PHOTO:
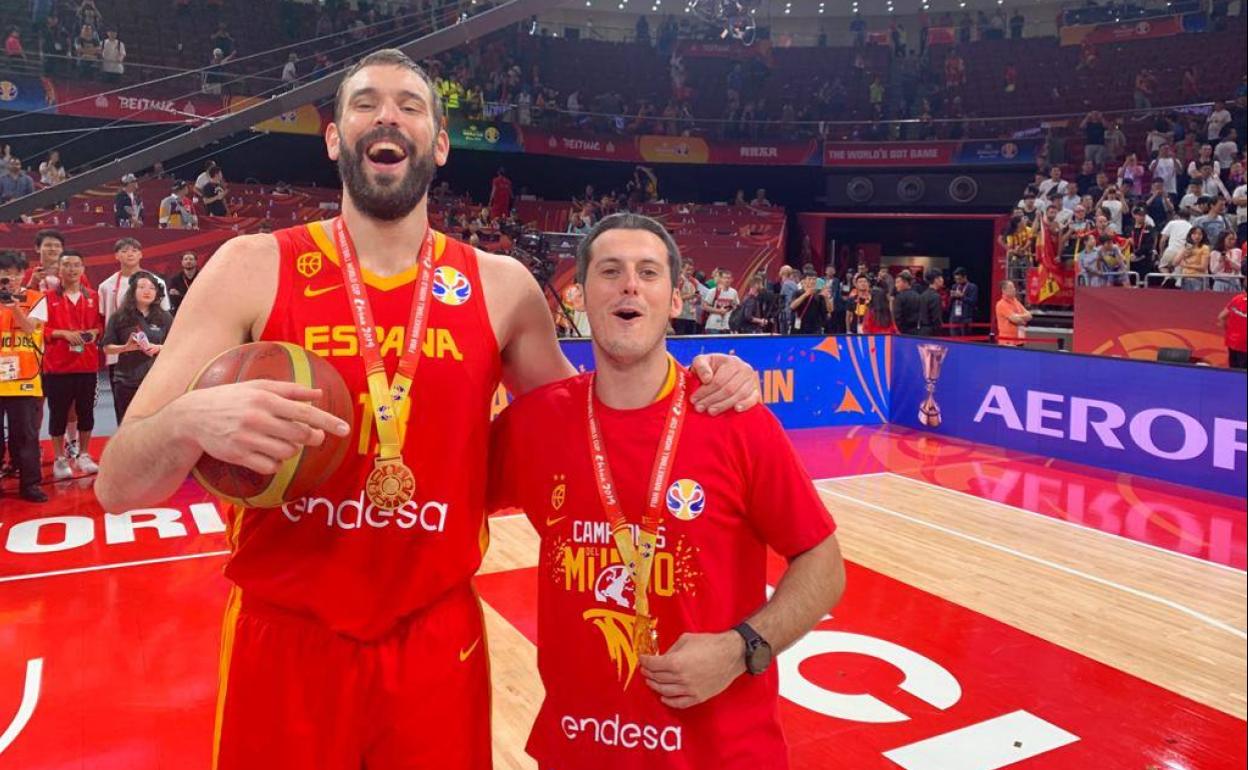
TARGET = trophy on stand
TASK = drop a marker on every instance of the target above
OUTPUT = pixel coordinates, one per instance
(932, 356)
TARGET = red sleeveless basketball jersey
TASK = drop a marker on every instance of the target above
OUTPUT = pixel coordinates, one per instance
(332, 556)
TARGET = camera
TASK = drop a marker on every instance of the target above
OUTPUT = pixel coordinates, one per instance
(6, 291)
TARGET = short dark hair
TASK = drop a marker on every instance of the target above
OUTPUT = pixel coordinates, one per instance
(71, 253)
(390, 57)
(127, 241)
(627, 221)
(959, 271)
(12, 260)
(48, 233)
(906, 277)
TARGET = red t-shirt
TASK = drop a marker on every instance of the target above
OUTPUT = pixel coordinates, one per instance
(737, 487)
(1236, 333)
(64, 314)
(869, 326)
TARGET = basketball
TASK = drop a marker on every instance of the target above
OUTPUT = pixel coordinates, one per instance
(298, 475)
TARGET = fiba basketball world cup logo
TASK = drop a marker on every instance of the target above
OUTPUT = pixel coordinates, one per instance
(932, 357)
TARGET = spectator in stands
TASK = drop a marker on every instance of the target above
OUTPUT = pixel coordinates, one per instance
(290, 70)
(180, 282)
(931, 312)
(1112, 202)
(1217, 120)
(127, 208)
(719, 302)
(1145, 85)
(1194, 260)
(1210, 182)
(1189, 89)
(88, 14)
(858, 28)
(907, 307)
(223, 41)
(1214, 221)
(175, 213)
(1228, 148)
(1190, 202)
(87, 49)
(859, 303)
(70, 362)
(757, 314)
(135, 334)
(113, 57)
(45, 275)
(1131, 176)
(1160, 205)
(214, 194)
(1240, 199)
(17, 183)
(1012, 317)
(1054, 182)
(1143, 239)
(205, 176)
(1093, 126)
(54, 45)
(1016, 25)
(1115, 142)
(52, 171)
(1071, 199)
(13, 45)
(809, 307)
(23, 312)
(1166, 170)
(690, 298)
(964, 298)
(1234, 320)
(1086, 178)
(760, 199)
(878, 318)
(1226, 262)
(500, 195)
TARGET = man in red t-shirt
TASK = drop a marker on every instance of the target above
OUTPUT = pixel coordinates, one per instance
(655, 631)
(500, 196)
(1232, 319)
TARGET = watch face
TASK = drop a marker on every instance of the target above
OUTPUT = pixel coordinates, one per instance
(760, 658)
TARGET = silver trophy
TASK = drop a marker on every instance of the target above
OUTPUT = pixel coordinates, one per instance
(932, 356)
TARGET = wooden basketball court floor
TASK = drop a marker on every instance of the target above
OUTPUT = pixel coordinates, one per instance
(1002, 610)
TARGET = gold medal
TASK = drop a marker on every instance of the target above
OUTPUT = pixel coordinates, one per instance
(645, 635)
(390, 485)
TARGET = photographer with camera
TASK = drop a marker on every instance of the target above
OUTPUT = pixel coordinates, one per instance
(70, 362)
(22, 314)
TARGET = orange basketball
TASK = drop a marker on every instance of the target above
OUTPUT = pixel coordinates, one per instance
(301, 474)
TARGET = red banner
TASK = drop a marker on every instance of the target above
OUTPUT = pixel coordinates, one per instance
(886, 154)
(760, 51)
(1136, 323)
(1119, 33)
(942, 36)
(584, 146)
(143, 105)
(792, 154)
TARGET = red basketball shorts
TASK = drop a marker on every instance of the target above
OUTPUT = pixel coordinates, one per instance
(297, 696)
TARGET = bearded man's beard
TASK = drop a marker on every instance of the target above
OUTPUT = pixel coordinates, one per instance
(389, 196)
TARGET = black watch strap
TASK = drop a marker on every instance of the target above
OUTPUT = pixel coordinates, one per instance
(757, 649)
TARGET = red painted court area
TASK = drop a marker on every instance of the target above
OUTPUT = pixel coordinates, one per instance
(109, 633)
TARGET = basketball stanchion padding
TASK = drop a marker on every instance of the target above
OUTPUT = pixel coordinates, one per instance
(297, 476)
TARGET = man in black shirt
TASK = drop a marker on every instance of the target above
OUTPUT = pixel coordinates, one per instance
(1086, 178)
(127, 208)
(930, 321)
(906, 305)
(1159, 205)
(180, 283)
(1143, 242)
(214, 194)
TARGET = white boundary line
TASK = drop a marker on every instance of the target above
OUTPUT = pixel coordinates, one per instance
(1046, 563)
(103, 567)
(26, 709)
(1080, 527)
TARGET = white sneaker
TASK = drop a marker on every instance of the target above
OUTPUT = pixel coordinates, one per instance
(61, 469)
(86, 464)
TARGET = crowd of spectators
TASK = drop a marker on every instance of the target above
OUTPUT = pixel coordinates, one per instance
(1173, 214)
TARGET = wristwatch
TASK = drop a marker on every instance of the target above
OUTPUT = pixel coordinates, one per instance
(757, 650)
